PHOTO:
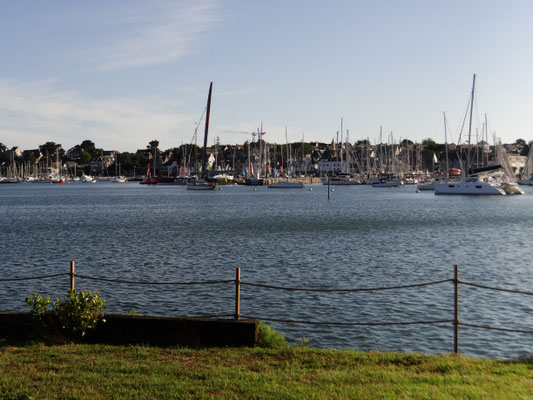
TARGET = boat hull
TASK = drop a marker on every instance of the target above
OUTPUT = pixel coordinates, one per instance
(286, 185)
(426, 186)
(511, 188)
(468, 188)
(386, 183)
(341, 182)
(201, 186)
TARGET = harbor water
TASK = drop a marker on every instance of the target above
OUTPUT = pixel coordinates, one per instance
(362, 237)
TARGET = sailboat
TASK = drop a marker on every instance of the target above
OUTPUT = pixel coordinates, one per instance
(204, 183)
(526, 177)
(473, 183)
(118, 178)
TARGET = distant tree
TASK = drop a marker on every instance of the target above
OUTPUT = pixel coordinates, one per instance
(177, 153)
(430, 146)
(429, 143)
(128, 161)
(85, 157)
(525, 150)
(87, 145)
(51, 149)
(28, 156)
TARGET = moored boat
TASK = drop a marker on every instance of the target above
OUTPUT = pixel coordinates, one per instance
(476, 182)
(341, 180)
(469, 186)
(88, 179)
(204, 183)
(511, 188)
(428, 185)
(286, 185)
(152, 180)
(385, 182)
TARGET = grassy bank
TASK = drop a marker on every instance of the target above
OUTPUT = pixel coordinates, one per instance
(110, 372)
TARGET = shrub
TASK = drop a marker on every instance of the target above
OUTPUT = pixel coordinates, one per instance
(80, 312)
(76, 314)
(39, 306)
(268, 337)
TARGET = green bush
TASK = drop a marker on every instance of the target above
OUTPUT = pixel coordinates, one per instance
(268, 337)
(80, 312)
(76, 314)
(39, 306)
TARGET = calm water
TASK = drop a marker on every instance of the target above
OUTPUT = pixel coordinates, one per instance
(362, 237)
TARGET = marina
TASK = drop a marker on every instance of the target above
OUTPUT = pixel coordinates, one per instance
(360, 237)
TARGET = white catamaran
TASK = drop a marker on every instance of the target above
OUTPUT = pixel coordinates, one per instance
(472, 184)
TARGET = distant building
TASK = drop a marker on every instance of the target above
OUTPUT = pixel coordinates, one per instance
(106, 159)
(10, 155)
(74, 154)
(329, 167)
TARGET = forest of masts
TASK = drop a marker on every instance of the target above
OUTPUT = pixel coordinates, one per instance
(253, 159)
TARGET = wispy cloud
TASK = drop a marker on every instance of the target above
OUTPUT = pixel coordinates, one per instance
(33, 113)
(152, 32)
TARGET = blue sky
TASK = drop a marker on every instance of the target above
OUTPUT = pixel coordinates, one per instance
(122, 73)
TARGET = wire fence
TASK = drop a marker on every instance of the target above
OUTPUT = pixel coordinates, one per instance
(239, 283)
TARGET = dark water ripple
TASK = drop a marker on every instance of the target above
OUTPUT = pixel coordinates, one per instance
(362, 237)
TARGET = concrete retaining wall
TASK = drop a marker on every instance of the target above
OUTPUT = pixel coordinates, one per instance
(156, 331)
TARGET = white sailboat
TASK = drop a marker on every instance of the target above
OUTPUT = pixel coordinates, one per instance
(87, 179)
(474, 184)
(526, 177)
(506, 177)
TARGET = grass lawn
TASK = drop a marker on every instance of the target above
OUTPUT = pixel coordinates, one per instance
(114, 372)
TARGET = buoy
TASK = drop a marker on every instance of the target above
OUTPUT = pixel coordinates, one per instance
(332, 189)
(418, 191)
(255, 189)
(310, 189)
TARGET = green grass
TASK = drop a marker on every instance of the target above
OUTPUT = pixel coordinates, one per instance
(113, 372)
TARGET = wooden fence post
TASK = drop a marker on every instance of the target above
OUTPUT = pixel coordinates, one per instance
(238, 294)
(456, 310)
(72, 274)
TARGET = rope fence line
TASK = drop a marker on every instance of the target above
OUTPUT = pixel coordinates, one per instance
(232, 281)
(344, 290)
(495, 288)
(238, 283)
(291, 321)
(33, 277)
(494, 328)
(154, 283)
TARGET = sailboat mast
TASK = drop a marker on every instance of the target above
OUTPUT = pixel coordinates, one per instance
(446, 146)
(486, 139)
(470, 124)
(260, 169)
(204, 151)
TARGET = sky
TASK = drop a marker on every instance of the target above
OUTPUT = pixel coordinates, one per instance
(125, 72)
